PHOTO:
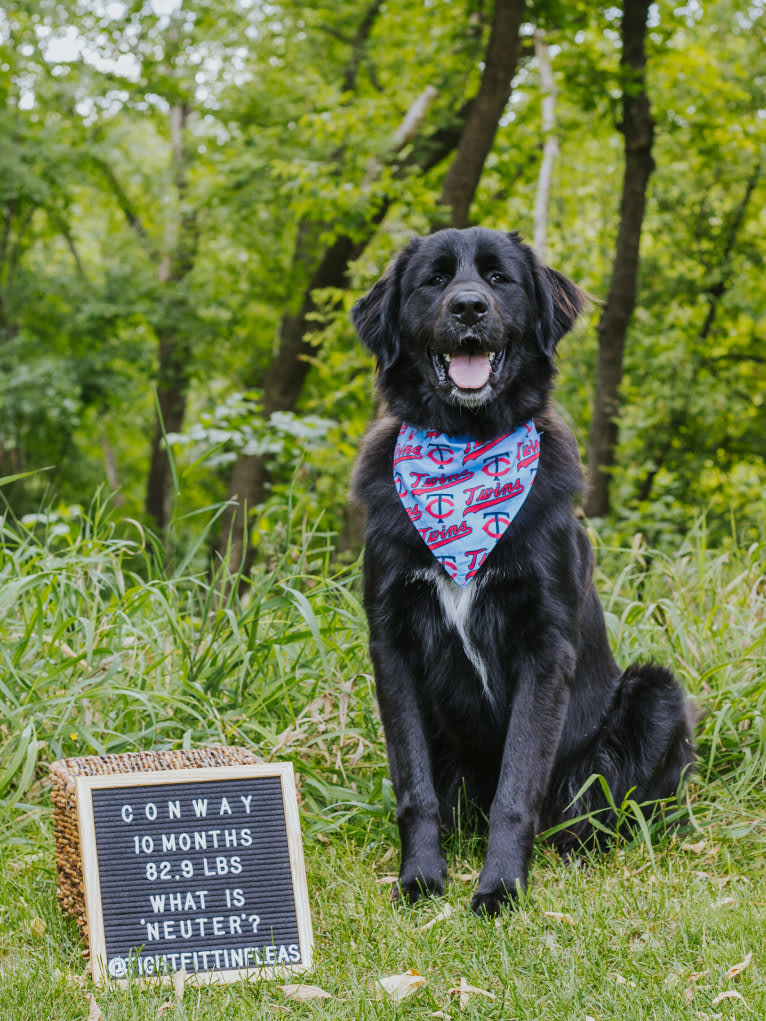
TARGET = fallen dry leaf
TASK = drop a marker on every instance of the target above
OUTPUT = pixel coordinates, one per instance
(559, 916)
(94, 1014)
(737, 969)
(400, 986)
(695, 976)
(178, 978)
(622, 981)
(702, 847)
(386, 880)
(437, 918)
(697, 848)
(354, 759)
(728, 994)
(164, 1007)
(37, 927)
(724, 901)
(69, 978)
(304, 992)
(465, 990)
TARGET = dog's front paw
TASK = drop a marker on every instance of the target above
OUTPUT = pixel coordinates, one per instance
(420, 880)
(489, 899)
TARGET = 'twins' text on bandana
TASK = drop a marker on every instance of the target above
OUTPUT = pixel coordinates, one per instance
(461, 495)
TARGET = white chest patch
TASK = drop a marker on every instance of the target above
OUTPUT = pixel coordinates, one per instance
(456, 603)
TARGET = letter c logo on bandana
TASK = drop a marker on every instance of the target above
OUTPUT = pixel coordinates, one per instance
(461, 495)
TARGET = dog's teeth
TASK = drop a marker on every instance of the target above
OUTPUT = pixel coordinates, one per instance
(447, 358)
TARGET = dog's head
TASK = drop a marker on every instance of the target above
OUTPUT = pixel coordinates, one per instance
(464, 324)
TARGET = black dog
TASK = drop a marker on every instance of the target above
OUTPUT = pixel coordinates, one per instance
(499, 685)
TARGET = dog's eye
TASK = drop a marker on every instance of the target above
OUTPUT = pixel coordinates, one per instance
(437, 280)
(497, 278)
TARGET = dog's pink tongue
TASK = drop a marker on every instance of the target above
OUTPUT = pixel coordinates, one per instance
(470, 372)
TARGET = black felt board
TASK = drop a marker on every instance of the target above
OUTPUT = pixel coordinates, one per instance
(195, 876)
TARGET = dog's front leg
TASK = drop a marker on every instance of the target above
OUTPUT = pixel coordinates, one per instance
(533, 735)
(423, 868)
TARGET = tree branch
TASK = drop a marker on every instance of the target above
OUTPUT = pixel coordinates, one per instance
(478, 135)
(73, 249)
(428, 151)
(7, 221)
(359, 46)
(123, 201)
(284, 378)
(638, 131)
(404, 134)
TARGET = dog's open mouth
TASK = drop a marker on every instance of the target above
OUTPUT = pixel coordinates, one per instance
(468, 371)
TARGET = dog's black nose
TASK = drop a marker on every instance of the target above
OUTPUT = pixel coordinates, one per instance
(468, 307)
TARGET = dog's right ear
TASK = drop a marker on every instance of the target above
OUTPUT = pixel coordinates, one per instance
(376, 315)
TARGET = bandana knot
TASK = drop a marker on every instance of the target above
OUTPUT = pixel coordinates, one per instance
(461, 495)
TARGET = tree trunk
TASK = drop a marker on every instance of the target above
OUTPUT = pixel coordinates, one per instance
(285, 376)
(282, 385)
(174, 348)
(110, 469)
(283, 381)
(172, 388)
(550, 144)
(638, 131)
(480, 128)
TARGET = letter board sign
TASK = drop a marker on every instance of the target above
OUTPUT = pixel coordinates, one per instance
(198, 870)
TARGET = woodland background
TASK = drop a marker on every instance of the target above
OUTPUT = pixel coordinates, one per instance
(192, 196)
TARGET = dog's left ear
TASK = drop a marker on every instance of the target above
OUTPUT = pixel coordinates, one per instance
(560, 303)
(376, 315)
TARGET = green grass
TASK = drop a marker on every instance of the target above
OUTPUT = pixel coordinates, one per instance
(104, 648)
(653, 925)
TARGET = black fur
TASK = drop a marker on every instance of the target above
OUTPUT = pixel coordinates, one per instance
(559, 708)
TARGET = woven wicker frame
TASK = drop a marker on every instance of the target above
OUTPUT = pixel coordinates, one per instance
(69, 881)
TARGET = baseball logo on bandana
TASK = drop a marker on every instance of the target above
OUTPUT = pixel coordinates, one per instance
(461, 495)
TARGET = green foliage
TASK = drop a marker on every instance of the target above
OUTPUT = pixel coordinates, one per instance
(106, 648)
(280, 164)
(695, 389)
(103, 649)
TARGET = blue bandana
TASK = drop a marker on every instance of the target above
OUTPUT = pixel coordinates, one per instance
(461, 495)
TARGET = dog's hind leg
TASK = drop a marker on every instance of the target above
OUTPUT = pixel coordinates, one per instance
(644, 747)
